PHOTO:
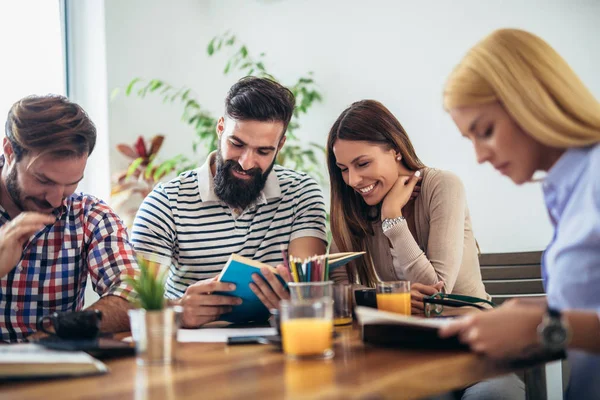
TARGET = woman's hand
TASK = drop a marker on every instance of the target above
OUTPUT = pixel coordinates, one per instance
(507, 332)
(399, 195)
(418, 291)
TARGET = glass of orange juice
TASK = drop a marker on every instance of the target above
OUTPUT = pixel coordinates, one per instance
(394, 297)
(307, 328)
(342, 304)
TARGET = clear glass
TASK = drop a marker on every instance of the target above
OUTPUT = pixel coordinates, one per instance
(342, 304)
(310, 290)
(307, 328)
(155, 334)
(394, 297)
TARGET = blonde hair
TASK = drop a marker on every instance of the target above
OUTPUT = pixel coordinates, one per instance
(533, 82)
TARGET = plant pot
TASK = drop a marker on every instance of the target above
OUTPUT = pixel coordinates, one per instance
(155, 334)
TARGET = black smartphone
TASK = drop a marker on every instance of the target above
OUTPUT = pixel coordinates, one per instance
(101, 348)
(366, 297)
(247, 340)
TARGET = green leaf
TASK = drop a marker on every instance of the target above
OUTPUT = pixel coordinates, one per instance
(114, 93)
(211, 47)
(134, 166)
(131, 85)
(244, 51)
(155, 84)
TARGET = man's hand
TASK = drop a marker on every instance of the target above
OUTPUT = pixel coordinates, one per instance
(418, 291)
(271, 290)
(200, 306)
(506, 332)
(15, 233)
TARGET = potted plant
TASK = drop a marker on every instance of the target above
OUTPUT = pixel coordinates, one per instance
(130, 187)
(153, 324)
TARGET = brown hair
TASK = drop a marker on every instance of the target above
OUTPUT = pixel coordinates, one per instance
(368, 121)
(260, 99)
(49, 124)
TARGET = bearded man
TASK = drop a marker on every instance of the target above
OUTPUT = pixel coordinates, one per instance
(240, 202)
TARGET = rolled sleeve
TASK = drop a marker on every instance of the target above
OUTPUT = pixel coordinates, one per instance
(310, 215)
(110, 256)
(154, 230)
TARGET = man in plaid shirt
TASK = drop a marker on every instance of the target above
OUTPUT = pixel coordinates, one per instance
(51, 239)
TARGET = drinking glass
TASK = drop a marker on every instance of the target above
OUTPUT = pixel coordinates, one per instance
(307, 328)
(394, 297)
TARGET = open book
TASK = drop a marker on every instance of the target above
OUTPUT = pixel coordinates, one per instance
(337, 260)
(29, 360)
(239, 270)
(390, 329)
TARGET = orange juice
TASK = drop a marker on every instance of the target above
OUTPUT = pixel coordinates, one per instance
(307, 336)
(394, 302)
(342, 321)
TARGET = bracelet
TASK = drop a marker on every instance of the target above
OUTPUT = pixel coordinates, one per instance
(389, 223)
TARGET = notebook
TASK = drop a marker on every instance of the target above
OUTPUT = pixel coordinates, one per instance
(384, 328)
(30, 360)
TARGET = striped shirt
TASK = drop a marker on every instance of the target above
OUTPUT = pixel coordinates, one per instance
(184, 224)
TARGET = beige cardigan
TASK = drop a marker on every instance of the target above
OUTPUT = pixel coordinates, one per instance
(444, 249)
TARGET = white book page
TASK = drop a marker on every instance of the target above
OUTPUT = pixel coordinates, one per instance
(368, 315)
(24, 353)
(220, 335)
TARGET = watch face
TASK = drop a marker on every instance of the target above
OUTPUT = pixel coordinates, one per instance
(555, 335)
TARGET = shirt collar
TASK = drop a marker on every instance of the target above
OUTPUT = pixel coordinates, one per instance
(564, 173)
(206, 183)
(562, 179)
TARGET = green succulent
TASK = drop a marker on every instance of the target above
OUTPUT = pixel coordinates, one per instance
(149, 285)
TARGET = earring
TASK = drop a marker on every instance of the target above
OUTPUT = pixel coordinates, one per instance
(398, 157)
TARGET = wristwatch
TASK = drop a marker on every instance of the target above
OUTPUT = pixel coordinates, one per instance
(554, 331)
(389, 223)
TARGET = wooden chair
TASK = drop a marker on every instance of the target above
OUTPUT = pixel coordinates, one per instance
(511, 275)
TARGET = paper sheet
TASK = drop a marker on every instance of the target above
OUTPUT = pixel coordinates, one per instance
(36, 354)
(220, 335)
(368, 315)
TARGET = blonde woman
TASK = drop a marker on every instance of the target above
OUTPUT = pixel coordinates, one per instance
(525, 110)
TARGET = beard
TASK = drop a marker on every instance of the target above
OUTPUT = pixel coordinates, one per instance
(16, 194)
(235, 192)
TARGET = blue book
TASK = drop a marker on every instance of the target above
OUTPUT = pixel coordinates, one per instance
(239, 270)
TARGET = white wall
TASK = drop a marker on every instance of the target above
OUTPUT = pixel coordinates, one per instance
(396, 51)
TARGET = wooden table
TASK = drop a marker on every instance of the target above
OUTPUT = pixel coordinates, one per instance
(218, 371)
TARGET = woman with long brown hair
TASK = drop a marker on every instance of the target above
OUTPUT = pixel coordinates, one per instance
(412, 221)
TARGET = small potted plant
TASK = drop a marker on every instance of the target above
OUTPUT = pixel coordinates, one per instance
(130, 187)
(154, 325)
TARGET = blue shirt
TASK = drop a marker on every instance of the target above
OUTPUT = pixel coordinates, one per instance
(571, 263)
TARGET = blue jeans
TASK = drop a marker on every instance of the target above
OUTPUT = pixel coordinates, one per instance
(507, 387)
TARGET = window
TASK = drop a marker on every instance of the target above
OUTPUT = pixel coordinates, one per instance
(33, 56)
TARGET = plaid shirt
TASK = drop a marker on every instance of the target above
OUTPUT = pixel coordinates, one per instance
(87, 238)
